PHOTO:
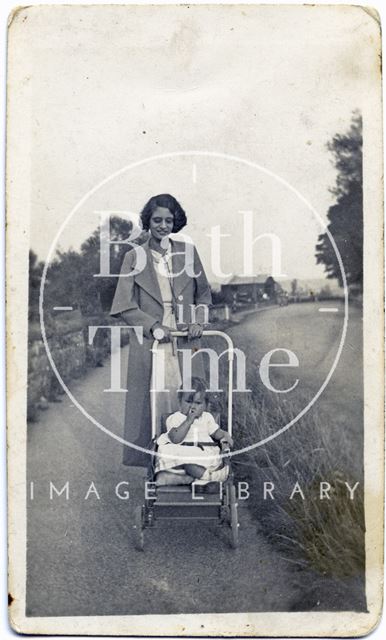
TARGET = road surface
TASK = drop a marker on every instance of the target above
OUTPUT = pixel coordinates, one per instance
(81, 559)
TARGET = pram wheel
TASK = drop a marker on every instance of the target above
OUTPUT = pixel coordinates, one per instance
(139, 525)
(233, 518)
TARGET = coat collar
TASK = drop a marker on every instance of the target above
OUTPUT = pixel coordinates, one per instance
(147, 278)
(180, 258)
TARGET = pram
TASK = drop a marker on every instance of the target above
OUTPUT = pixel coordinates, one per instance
(179, 501)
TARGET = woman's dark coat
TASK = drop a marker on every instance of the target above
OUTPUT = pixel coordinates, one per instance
(139, 297)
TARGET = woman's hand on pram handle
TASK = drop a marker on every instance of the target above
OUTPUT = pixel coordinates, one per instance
(195, 330)
(161, 333)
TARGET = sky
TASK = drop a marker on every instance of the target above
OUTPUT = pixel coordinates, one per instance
(268, 85)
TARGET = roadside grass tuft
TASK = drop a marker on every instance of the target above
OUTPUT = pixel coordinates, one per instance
(327, 535)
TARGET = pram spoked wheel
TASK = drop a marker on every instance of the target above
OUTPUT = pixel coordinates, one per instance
(138, 527)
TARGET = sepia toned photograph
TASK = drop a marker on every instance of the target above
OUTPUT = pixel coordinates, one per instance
(195, 320)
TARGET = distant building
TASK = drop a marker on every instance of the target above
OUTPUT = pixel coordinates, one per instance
(247, 289)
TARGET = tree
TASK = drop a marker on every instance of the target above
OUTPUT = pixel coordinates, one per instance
(325, 293)
(346, 215)
(35, 274)
(294, 287)
(71, 277)
(99, 291)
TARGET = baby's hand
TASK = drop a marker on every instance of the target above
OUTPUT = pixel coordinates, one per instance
(227, 439)
(194, 412)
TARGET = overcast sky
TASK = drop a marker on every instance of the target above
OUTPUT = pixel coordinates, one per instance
(114, 85)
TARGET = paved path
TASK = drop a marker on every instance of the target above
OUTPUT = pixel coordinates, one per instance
(314, 336)
(81, 559)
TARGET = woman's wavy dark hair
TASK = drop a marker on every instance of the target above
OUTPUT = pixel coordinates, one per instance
(169, 202)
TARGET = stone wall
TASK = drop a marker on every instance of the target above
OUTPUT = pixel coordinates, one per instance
(67, 337)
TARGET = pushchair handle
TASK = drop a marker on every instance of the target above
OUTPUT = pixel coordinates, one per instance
(209, 333)
(230, 353)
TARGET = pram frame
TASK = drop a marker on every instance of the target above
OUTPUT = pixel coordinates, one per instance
(178, 502)
(207, 333)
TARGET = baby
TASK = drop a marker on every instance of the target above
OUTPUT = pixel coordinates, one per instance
(183, 447)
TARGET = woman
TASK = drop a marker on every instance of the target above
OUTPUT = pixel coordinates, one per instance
(162, 286)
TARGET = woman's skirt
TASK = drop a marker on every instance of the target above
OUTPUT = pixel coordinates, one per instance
(166, 375)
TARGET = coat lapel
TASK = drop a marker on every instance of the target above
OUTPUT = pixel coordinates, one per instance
(179, 258)
(147, 278)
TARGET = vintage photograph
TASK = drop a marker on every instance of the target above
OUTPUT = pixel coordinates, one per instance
(195, 320)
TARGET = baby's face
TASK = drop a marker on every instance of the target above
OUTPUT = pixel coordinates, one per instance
(193, 405)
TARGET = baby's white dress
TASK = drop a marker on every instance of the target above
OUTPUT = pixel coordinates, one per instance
(172, 455)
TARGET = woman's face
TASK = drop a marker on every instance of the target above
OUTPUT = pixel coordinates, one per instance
(161, 223)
